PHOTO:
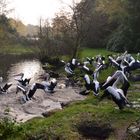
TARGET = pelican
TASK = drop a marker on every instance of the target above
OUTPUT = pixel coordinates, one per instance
(68, 69)
(127, 61)
(96, 84)
(87, 70)
(128, 64)
(123, 65)
(100, 60)
(122, 77)
(121, 57)
(6, 86)
(83, 66)
(133, 64)
(114, 62)
(70, 66)
(90, 60)
(88, 85)
(92, 85)
(22, 83)
(47, 86)
(118, 94)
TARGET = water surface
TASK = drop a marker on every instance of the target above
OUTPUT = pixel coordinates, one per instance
(11, 65)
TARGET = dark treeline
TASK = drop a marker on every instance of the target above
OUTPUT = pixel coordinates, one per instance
(9, 34)
(110, 24)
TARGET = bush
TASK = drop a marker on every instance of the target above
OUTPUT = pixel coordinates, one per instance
(121, 40)
(7, 128)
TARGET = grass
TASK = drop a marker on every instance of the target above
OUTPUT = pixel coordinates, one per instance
(90, 52)
(63, 124)
(66, 124)
(16, 49)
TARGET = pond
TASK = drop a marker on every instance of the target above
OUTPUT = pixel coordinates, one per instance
(14, 64)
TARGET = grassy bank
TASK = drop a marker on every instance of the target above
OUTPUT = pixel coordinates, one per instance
(88, 119)
(79, 121)
(16, 49)
(90, 52)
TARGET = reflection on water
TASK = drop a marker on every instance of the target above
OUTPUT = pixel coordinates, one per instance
(10, 65)
(31, 69)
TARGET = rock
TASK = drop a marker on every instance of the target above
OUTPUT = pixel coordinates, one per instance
(64, 104)
(133, 130)
(44, 104)
(49, 113)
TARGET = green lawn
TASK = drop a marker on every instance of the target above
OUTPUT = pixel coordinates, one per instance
(16, 49)
(89, 52)
(65, 124)
(73, 121)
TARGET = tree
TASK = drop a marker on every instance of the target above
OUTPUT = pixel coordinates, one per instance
(7, 33)
(62, 32)
(61, 25)
(94, 24)
(75, 25)
(127, 35)
(4, 10)
(114, 9)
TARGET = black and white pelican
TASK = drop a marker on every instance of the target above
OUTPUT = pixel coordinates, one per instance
(94, 84)
(118, 94)
(90, 60)
(47, 86)
(86, 69)
(5, 87)
(23, 83)
(70, 66)
(133, 63)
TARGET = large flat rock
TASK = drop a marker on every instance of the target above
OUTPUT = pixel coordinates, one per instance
(12, 107)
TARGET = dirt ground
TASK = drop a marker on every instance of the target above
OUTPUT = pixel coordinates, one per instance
(12, 106)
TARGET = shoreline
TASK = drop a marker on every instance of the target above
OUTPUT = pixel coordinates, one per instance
(40, 106)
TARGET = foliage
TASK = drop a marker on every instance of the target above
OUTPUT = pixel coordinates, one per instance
(17, 49)
(127, 35)
(115, 9)
(73, 121)
(96, 24)
(121, 40)
(4, 7)
(7, 128)
(7, 33)
(64, 124)
(91, 52)
(24, 30)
